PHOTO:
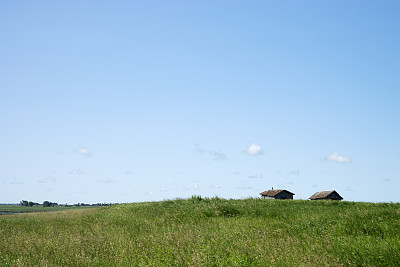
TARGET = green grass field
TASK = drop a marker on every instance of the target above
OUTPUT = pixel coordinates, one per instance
(206, 232)
(24, 209)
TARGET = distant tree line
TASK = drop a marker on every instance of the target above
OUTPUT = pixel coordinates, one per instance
(28, 203)
(53, 204)
(49, 204)
(31, 204)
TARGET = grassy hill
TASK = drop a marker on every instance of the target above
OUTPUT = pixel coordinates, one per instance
(207, 232)
(36, 208)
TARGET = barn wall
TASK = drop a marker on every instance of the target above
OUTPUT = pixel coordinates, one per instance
(284, 195)
(333, 197)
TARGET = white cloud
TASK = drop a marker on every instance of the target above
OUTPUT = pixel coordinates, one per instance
(336, 157)
(349, 188)
(216, 155)
(47, 180)
(107, 181)
(181, 189)
(84, 151)
(257, 176)
(196, 186)
(75, 172)
(295, 172)
(244, 187)
(254, 149)
(16, 182)
(217, 186)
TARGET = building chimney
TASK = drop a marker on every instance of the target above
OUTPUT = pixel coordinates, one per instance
(272, 188)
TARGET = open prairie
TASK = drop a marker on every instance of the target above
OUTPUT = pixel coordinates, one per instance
(4, 209)
(206, 232)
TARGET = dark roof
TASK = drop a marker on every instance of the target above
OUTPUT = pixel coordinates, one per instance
(272, 193)
(323, 194)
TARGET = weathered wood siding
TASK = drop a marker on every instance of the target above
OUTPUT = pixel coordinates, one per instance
(284, 195)
(333, 196)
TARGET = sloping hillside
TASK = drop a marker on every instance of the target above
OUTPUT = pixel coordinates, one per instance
(207, 232)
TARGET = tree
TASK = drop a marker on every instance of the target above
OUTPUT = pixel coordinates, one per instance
(46, 204)
(30, 203)
(23, 203)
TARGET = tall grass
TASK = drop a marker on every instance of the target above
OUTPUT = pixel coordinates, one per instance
(37, 208)
(207, 232)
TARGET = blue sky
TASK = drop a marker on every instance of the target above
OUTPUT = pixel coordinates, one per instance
(130, 101)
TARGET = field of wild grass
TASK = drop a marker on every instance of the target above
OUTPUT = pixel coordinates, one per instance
(206, 232)
(36, 208)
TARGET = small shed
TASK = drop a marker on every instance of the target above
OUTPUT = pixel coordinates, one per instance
(326, 195)
(277, 194)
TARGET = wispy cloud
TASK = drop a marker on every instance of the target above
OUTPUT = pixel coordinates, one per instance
(196, 186)
(216, 154)
(84, 152)
(336, 157)
(75, 172)
(254, 149)
(256, 176)
(387, 180)
(16, 182)
(244, 187)
(106, 181)
(181, 189)
(295, 172)
(216, 186)
(128, 173)
(48, 179)
(349, 188)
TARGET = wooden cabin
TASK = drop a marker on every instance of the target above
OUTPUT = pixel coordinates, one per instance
(333, 195)
(277, 194)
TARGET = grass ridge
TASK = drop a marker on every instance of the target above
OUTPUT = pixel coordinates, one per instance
(207, 232)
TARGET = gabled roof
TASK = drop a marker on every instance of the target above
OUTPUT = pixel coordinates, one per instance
(323, 194)
(272, 193)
